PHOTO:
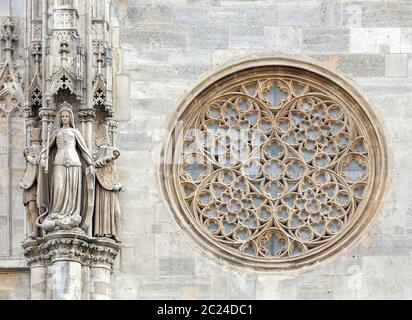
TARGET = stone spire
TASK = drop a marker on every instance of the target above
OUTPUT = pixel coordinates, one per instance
(9, 38)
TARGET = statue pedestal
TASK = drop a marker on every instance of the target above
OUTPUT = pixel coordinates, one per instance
(69, 265)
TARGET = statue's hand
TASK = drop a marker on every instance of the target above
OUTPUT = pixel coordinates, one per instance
(42, 163)
(91, 170)
(32, 159)
(116, 154)
(98, 163)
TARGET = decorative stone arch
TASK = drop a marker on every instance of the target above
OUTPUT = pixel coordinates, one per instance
(292, 106)
(99, 92)
(36, 95)
(63, 80)
(9, 85)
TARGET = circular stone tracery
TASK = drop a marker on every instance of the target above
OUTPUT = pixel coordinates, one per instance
(274, 166)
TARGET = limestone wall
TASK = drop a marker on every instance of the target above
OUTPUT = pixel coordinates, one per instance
(165, 46)
(14, 285)
(161, 48)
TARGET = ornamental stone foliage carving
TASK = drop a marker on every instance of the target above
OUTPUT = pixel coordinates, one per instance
(277, 163)
(71, 247)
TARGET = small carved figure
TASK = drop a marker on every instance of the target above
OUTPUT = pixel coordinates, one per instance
(66, 185)
(107, 209)
(29, 182)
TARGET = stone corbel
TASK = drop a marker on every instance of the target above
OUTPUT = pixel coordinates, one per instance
(70, 265)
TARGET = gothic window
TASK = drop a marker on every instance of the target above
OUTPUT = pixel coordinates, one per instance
(99, 98)
(275, 165)
(36, 98)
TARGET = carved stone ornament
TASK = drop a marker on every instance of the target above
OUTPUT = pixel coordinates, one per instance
(71, 246)
(274, 163)
(71, 216)
(63, 179)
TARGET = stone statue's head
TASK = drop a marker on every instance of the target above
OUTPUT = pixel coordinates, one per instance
(35, 135)
(65, 108)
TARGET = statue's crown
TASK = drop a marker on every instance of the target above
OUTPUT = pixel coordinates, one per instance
(35, 134)
(66, 106)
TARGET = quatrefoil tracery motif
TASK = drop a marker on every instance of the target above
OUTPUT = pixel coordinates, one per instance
(274, 163)
(273, 167)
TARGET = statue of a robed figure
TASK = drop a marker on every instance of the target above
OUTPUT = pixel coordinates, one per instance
(72, 207)
(65, 188)
(65, 194)
(29, 182)
(107, 209)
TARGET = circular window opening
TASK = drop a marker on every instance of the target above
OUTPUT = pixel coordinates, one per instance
(274, 163)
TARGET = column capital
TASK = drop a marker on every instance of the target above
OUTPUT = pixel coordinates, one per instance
(47, 114)
(87, 114)
(71, 246)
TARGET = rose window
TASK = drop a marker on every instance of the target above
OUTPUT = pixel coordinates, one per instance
(275, 166)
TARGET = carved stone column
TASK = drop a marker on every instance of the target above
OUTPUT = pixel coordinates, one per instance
(103, 253)
(46, 115)
(68, 265)
(67, 253)
(87, 117)
(113, 126)
(38, 261)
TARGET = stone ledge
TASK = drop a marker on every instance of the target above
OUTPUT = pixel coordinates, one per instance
(13, 264)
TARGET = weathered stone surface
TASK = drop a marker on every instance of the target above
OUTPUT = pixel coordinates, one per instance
(364, 13)
(246, 37)
(153, 36)
(207, 36)
(38, 285)
(375, 40)
(314, 13)
(321, 40)
(284, 39)
(286, 289)
(400, 13)
(15, 285)
(122, 96)
(406, 40)
(176, 266)
(99, 284)
(161, 14)
(396, 65)
(356, 65)
(163, 48)
(66, 279)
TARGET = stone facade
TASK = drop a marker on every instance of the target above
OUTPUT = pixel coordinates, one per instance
(160, 49)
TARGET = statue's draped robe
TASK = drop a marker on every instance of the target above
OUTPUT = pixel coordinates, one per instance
(67, 191)
(28, 183)
(107, 209)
